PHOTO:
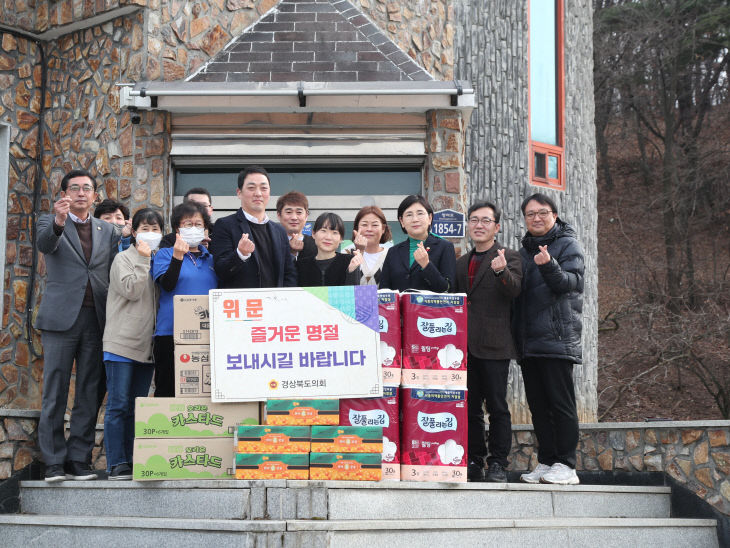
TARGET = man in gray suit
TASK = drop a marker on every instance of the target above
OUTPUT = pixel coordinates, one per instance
(78, 251)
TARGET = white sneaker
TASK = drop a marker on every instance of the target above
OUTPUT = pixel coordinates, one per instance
(535, 476)
(560, 474)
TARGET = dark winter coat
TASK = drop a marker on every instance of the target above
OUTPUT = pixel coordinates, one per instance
(548, 312)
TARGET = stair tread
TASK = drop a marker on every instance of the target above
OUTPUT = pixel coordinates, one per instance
(320, 525)
(395, 486)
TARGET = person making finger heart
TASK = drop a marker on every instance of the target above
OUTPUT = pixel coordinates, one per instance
(248, 250)
(423, 261)
(547, 328)
(183, 269)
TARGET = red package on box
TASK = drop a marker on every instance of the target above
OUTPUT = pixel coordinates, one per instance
(390, 335)
(434, 339)
(434, 434)
(378, 412)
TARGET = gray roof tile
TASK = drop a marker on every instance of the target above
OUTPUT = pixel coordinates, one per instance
(312, 41)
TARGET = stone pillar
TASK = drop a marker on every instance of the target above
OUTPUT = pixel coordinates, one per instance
(444, 181)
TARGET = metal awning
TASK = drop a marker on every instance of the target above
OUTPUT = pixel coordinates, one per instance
(230, 97)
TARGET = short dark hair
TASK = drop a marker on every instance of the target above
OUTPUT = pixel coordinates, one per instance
(149, 216)
(76, 173)
(540, 199)
(490, 205)
(110, 206)
(292, 198)
(198, 190)
(248, 171)
(374, 210)
(329, 220)
(408, 201)
(188, 209)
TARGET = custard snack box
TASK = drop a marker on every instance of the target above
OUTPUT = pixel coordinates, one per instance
(302, 412)
(347, 439)
(182, 458)
(272, 466)
(345, 466)
(272, 439)
(190, 417)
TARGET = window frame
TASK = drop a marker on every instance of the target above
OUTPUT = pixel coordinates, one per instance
(537, 147)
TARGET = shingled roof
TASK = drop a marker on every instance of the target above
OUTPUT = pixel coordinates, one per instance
(312, 41)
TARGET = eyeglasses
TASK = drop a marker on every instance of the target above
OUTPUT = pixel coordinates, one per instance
(543, 213)
(419, 214)
(76, 188)
(191, 224)
(474, 221)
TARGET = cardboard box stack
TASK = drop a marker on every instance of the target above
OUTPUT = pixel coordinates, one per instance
(433, 393)
(191, 334)
(303, 440)
(188, 436)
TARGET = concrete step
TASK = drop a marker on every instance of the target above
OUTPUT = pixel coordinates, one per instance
(73, 531)
(280, 499)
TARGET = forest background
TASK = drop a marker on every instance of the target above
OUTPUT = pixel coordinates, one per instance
(663, 139)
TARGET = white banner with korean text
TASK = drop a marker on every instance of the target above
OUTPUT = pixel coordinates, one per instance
(314, 342)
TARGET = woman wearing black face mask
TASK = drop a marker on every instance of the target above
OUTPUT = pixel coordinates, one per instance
(130, 323)
(184, 269)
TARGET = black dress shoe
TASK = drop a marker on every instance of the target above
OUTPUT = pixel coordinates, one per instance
(475, 472)
(79, 471)
(496, 473)
(121, 472)
(54, 473)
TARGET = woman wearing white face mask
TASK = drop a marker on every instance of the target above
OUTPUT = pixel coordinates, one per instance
(184, 269)
(130, 323)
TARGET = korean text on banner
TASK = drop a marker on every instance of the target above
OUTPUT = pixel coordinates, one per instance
(315, 342)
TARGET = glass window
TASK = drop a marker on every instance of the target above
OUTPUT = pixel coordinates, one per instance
(339, 190)
(543, 71)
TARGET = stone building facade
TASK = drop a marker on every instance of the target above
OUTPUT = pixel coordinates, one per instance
(491, 51)
(61, 107)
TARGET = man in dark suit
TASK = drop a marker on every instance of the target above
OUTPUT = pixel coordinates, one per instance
(249, 250)
(78, 250)
(490, 275)
(292, 209)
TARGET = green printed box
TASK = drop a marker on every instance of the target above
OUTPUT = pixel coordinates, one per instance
(190, 417)
(272, 439)
(272, 465)
(345, 466)
(183, 458)
(302, 412)
(347, 439)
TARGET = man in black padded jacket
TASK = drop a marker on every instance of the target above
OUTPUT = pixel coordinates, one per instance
(547, 332)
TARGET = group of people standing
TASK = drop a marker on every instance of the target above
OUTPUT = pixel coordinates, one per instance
(111, 283)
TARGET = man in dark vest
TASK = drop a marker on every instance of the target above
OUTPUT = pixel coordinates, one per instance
(490, 275)
(78, 250)
(248, 250)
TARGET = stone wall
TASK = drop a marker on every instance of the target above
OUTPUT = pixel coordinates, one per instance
(84, 126)
(491, 52)
(695, 454)
(18, 440)
(20, 101)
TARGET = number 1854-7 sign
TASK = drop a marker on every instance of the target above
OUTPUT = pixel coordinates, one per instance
(294, 343)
